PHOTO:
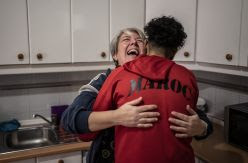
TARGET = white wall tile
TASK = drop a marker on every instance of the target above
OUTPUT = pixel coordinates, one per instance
(23, 103)
(41, 99)
(68, 94)
(13, 115)
(207, 92)
(44, 112)
(244, 81)
(14, 104)
(243, 97)
(224, 97)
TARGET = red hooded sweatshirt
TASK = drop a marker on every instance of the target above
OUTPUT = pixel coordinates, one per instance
(159, 81)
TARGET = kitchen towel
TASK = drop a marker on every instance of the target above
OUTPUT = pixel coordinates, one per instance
(9, 126)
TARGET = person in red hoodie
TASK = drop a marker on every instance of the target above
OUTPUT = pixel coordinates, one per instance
(158, 80)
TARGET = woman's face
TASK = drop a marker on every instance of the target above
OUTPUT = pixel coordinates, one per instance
(130, 46)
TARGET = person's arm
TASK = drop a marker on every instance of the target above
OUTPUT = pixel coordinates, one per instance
(75, 118)
(197, 124)
(129, 115)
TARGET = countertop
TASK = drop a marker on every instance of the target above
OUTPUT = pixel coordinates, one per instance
(67, 143)
(214, 149)
(44, 151)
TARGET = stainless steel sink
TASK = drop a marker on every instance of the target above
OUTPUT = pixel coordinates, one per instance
(30, 138)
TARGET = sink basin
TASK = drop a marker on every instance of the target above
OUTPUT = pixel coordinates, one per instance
(30, 138)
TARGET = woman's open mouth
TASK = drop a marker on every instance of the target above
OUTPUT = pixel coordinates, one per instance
(133, 52)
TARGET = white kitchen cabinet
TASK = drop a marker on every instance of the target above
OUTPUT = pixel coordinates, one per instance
(14, 47)
(218, 31)
(49, 31)
(73, 157)
(126, 13)
(32, 160)
(90, 30)
(184, 12)
(244, 35)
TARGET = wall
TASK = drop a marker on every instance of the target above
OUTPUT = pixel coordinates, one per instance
(23, 95)
(220, 90)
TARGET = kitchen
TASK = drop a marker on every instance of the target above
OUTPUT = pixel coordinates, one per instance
(46, 53)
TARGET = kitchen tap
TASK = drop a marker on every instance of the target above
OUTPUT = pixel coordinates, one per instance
(45, 119)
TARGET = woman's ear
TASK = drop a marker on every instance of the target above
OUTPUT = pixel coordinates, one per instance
(114, 57)
(115, 60)
(146, 46)
(146, 42)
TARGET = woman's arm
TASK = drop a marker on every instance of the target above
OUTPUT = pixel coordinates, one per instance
(129, 115)
(76, 117)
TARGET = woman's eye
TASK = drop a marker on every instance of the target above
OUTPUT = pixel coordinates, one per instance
(140, 41)
(126, 39)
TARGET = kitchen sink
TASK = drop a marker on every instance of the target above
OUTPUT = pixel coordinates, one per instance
(31, 137)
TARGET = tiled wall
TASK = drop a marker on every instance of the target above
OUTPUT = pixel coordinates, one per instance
(23, 103)
(222, 91)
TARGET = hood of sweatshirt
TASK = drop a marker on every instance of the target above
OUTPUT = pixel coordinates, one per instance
(151, 67)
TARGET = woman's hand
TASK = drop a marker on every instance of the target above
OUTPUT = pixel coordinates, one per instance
(187, 125)
(132, 115)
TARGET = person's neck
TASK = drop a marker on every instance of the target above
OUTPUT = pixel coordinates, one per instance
(155, 52)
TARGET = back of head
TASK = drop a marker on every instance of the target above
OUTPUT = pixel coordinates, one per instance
(165, 33)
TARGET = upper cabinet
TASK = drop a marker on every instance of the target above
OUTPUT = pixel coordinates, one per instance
(14, 47)
(90, 30)
(244, 35)
(218, 31)
(49, 31)
(184, 12)
(126, 13)
(94, 26)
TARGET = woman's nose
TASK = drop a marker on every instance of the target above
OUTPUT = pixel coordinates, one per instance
(133, 41)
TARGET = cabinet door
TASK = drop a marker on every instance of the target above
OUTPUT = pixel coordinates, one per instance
(218, 31)
(32, 160)
(244, 35)
(126, 13)
(50, 38)
(90, 30)
(73, 157)
(13, 32)
(184, 12)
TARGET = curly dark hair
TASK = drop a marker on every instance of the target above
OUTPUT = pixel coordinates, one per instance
(167, 33)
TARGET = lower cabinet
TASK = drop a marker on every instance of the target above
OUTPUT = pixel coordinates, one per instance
(73, 157)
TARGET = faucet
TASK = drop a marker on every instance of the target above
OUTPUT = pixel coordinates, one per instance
(42, 117)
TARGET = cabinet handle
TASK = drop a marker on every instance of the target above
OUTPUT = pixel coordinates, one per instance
(229, 57)
(103, 54)
(20, 56)
(39, 56)
(60, 161)
(186, 54)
